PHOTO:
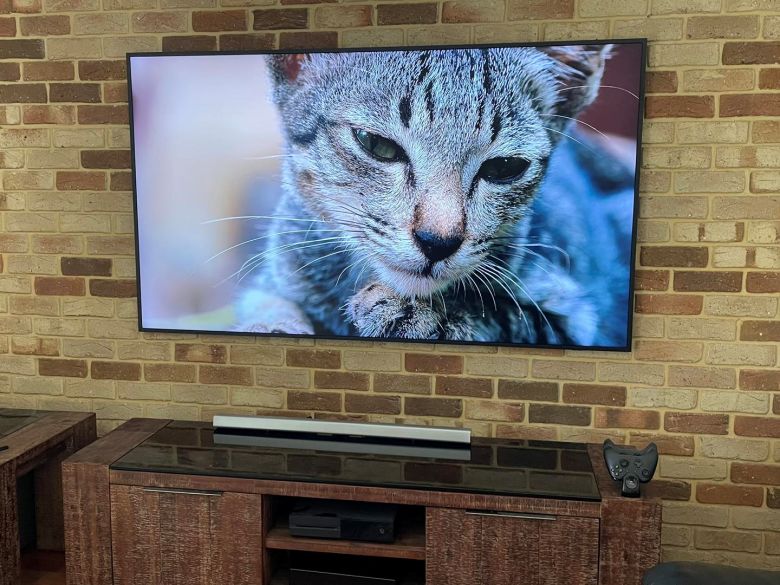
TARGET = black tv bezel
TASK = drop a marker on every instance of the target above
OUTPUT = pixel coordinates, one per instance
(642, 42)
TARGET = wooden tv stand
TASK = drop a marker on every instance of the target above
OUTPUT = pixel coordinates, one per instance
(158, 502)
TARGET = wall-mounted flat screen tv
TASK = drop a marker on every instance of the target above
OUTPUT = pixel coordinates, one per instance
(467, 194)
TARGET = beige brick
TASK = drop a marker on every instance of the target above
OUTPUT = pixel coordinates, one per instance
(87, 307)
(731, 306)
(676, 55)
(727, 540)
(696, 515)
(37, 385)
(498, 366)
(371, 361)
(752, 156)
(199, 394)
(763, 232)
(265, 397)
(12, 159)
(673, 207)
(675, 536)
(653, 231)
(282, 378)
(60, 327)
(654, 132)
(10, 115)
(28, 180)
(256, 355)
(647, 326)
(31, 264)
(764, 182)
(705, 377)
(564, 370)
(87, 348)
(730, 257)
(17, 364)
(668, 351)
(742, 401)
(451, 35)
(656, 29)
(594, 8)
(142, 390)
(90, 389)
(100, 24)
(772, 27)
(118, 47)
(737, 354)
(144, 350)
(24, 138)
(722, 231)
(383, 37)
(506, 33)
(569, 31)
(172, 411)
(113, 329)
(31, 222)
(650, 374)
(655, 181)
(15, 284)
(69, 48)
(656, 157)
(756, 519)
(684, 6)
(677, 398)
(718, 80)
(494, 411)
(767, 258)
(52, 159)
(68, 138)
(728, 448)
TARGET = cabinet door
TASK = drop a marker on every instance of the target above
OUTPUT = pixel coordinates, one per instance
(172, 537)
(486, 548)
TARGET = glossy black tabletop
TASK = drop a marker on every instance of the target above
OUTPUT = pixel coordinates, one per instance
(13, 419)
(490, 466)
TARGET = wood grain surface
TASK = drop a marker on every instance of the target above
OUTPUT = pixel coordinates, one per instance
(87, 505)
(360, 493)
(37, 448)
(162, 538)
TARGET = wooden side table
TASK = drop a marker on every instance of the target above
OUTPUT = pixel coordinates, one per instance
(36, 442)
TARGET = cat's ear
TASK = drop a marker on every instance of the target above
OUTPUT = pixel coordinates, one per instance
(579, 69)
(286, 69)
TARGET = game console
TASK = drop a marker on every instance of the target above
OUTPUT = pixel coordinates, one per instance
(343, 520)
(629, 466)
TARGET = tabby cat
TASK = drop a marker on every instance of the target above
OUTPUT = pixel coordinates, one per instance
(444, 195)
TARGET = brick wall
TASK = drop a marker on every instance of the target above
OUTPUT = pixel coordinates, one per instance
(703, 379)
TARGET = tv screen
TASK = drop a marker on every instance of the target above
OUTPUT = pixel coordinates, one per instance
(467, 195)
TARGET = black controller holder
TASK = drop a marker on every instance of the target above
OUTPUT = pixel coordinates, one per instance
(629, 466)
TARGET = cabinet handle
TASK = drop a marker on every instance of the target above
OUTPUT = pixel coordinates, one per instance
(206, 493)
(517, 515)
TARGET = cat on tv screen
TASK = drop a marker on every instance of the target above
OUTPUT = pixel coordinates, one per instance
(466, 195)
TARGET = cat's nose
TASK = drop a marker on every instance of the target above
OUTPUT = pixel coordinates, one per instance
(435, 246)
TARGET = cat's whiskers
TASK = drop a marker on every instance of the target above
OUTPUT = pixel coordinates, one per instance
(257, 259)
(322, 258)
(490, 269)
(608, 138)
(269, 157)
(616, 87)
(478, 275)
(470, 279)
(275, 217)
(582, 144)
(245, 242)
(519, 283)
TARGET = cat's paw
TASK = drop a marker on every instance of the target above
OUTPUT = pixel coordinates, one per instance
(265, 313)
(378, 311)
(290, 326)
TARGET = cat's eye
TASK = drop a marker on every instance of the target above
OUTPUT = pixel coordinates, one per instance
(379, 147)
(504, 169)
